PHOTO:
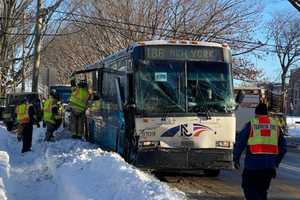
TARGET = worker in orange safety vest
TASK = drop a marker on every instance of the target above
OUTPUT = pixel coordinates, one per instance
(265, 147)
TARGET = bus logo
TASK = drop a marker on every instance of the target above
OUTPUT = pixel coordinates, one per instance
(199, 128)
(183, 129)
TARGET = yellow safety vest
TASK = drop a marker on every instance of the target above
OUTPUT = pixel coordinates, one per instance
(263, 138)
(22, 113)
(48, 115)
(79, 98)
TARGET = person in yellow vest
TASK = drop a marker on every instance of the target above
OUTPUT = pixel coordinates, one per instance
(265, 148)
(52, 115)
(25, 118)
(78, 103)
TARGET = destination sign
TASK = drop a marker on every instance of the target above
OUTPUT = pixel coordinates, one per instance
(184, 53)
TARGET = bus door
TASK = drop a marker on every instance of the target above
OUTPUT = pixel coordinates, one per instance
(111, 134)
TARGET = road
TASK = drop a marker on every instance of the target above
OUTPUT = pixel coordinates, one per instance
(227, 185)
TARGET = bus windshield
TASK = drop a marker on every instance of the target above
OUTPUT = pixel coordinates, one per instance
(209, 87)
(183, 86)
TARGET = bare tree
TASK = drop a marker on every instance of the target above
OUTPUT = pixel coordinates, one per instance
(105, 26)
(11, 36)
(284, 30)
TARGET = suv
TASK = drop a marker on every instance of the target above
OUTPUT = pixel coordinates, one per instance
(12, 100)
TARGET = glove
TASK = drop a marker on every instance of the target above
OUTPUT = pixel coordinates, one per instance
(38, 125)
(44, 124)
(236, 165)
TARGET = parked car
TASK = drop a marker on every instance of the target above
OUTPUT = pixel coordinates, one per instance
(12, 100)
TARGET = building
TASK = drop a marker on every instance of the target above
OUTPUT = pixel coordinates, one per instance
(294, 93)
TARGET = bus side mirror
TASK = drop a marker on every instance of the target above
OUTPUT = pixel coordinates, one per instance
(240, 97)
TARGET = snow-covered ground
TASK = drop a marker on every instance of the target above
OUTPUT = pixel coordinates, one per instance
(72, 169)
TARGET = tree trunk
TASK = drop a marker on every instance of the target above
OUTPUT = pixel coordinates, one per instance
(283, 93)
(37, 47)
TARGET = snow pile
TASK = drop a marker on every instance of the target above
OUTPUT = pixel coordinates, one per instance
(4, 173)
(95, 174)
(72, 169)
(294, 132)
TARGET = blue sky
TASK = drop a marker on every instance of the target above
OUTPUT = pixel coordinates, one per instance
(270, 63)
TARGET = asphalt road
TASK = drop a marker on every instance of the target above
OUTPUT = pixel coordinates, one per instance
(226, 186)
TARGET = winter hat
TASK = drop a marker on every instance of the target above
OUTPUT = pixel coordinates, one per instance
(261, 109)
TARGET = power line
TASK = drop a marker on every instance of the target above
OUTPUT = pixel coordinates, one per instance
(151, 27)
(162, 29)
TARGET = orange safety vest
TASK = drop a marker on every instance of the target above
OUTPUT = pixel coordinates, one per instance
(263, 137)
(22, 113)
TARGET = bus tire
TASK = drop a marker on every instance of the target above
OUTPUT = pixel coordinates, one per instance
(212, 172)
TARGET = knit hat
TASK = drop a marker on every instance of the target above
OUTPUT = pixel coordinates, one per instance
(261, 109)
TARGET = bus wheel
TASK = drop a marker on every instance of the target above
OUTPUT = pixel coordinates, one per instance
(212, 172)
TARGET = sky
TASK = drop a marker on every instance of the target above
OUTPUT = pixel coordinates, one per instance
(270, 63)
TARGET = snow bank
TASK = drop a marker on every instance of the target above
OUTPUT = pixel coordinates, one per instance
(72, 169)
(95, 174)
(4, 173)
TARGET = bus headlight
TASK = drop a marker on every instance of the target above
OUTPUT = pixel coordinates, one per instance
(223, 144)
(149, 143)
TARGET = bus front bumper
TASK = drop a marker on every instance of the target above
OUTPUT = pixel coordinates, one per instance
(184, 159)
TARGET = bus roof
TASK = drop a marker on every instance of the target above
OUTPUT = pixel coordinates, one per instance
(99, 64)
(178, 42)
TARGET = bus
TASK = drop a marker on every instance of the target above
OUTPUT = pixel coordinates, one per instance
(166, 105)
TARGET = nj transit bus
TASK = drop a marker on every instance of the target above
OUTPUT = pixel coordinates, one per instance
(166, 105)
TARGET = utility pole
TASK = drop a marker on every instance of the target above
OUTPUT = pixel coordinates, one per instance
(37, 46)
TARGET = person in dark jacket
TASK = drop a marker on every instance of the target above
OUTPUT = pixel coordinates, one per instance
(26, 118)
(265, 148)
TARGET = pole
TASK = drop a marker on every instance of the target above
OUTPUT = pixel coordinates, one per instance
(37, 46)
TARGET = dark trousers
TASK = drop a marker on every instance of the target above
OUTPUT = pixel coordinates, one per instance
(50, 130)
(256, 183)
(27, 137)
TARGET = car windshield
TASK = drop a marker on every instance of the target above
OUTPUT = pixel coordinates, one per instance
(181, 86)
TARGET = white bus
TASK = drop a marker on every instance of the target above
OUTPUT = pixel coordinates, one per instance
(167, 105)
